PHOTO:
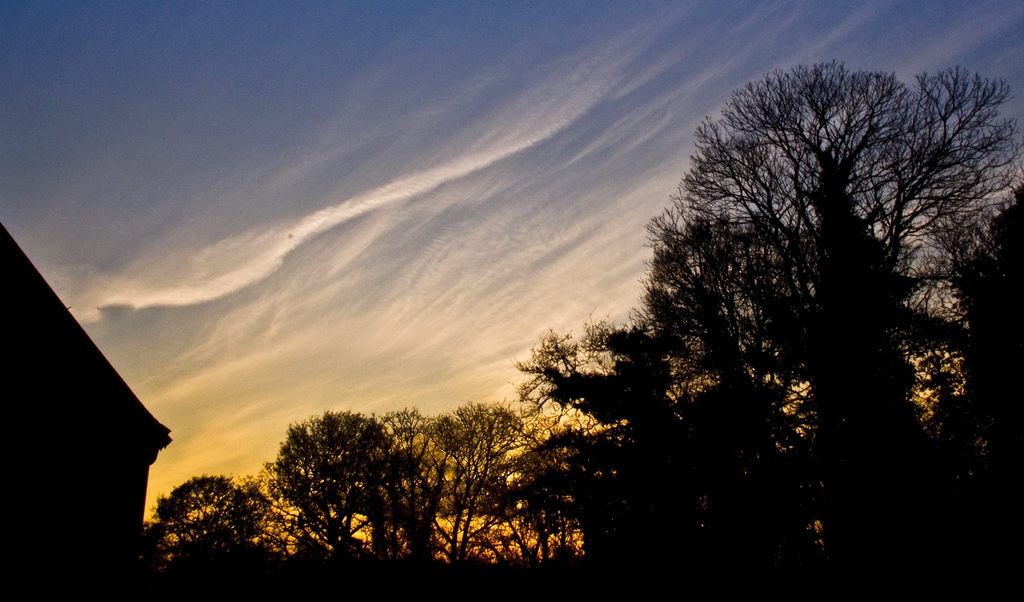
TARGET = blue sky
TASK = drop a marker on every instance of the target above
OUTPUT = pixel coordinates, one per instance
(260, 211)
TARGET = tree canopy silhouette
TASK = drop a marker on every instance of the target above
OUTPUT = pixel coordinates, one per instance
(977, 416)
(798, 282)
(325, 479)
(450, 488)
(209, 524)
(800, 251)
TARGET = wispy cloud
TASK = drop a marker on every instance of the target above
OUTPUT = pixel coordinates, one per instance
(239, 261)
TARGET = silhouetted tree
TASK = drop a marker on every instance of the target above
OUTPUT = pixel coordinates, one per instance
(625, 471)
(210, 524)
(410, 490)
(987, 286)
(711, 294)
(479, 446)
(539, 527)
(791, 267)
(977, 415)
(325, 483)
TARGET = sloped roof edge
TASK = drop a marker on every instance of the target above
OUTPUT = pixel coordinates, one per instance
(45, 337)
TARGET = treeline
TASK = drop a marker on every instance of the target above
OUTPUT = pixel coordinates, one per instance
(820, 373)
(454, 488)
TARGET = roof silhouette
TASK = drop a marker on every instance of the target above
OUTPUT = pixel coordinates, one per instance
(80, 442)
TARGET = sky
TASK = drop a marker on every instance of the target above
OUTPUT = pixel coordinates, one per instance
(260, 211)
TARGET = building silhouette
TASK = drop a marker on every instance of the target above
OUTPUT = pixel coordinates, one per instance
(79, 442)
